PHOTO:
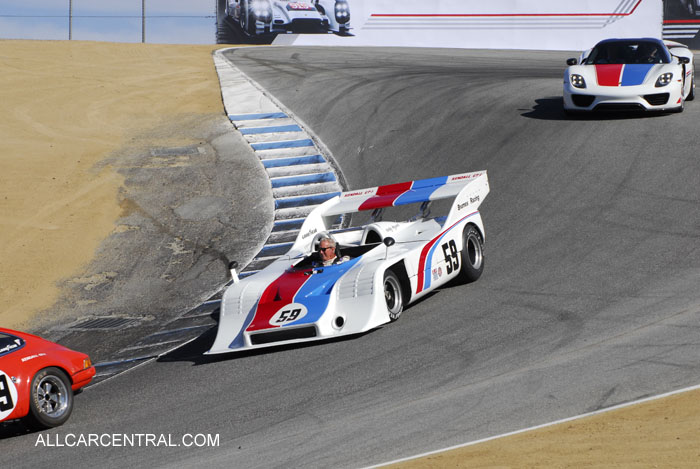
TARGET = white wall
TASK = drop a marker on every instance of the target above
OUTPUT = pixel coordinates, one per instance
(493, 24)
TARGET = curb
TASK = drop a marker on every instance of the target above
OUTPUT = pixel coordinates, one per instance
(301, 170)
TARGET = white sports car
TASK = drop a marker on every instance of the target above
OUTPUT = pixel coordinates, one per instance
(379, 267)
(630, 74)
(257, 17)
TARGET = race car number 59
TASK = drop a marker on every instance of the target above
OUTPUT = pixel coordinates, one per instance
(290, 313)
(8, 395)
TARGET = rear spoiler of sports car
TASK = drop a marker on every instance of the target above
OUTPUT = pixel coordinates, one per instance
(468, 190)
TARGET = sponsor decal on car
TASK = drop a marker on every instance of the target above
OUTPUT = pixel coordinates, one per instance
(31, 357)
(10, 344)
(309, 233)
(299, 6)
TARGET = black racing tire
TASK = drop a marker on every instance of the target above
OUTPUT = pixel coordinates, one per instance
(680, 108)
(691, 94)
(393, 295)
(51, 398)
(472, 255)
(245, 19)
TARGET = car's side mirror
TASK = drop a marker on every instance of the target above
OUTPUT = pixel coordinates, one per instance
(571, 62)
(388, 241)
(232, 266)
(684, 60)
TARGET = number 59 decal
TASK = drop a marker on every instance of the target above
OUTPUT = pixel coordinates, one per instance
(451, 256)
(288, 314)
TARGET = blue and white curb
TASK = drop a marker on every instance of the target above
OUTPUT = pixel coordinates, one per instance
(297, 163)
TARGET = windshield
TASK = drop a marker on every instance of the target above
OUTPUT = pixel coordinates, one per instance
(628, 52)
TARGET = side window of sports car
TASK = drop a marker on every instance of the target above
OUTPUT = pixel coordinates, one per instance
(9, 343)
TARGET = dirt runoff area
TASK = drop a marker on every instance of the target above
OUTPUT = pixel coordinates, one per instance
(70, 107)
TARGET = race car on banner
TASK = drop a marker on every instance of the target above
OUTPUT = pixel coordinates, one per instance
(630, 74)
(337, 280)
(257, 17)
(38, 378)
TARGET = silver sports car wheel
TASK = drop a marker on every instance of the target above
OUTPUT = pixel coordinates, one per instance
(51, 400)
(392, 295)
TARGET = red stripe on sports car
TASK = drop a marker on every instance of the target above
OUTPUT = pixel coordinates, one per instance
(385, 196)
(421, 262)
(609, 74)
(506, 15)
(279, 293)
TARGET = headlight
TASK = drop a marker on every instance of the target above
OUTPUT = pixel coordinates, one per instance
(664, 79)
(577, 81)
(261, 10)
(342, 10)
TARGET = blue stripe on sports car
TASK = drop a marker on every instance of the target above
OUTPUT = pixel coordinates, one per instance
(315, 293)
(634, 74)
(421, 191)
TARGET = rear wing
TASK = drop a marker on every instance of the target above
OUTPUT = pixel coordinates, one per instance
(468, 190)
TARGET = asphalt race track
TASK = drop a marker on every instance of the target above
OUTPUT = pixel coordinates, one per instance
(589, 299)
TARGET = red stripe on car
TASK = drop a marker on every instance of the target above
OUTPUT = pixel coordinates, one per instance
(386, 195)
(609, 74)
(279, 293)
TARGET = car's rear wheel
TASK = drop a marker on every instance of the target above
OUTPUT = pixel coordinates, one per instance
(51, 398)
(392, 295)
(472, 255)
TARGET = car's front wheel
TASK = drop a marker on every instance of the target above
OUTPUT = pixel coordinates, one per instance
(245, 20)
(392, 295)
(472, 255)
(51, 398)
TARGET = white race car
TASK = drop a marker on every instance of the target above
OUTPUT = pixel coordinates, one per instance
(257, 17)
(379, 267)
(630, 74)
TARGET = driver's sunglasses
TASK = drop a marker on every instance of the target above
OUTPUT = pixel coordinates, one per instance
(323, 249)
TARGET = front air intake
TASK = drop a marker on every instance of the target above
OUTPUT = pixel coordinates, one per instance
(582, 100)
(280, 335)
(658, 99)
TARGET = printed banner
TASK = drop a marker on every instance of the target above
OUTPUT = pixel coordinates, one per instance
(497, 24)
(682, 22)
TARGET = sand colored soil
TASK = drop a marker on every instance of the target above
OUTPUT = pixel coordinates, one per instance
(66, 106)
(662, 433)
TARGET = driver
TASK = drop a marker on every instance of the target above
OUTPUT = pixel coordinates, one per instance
(327, 252)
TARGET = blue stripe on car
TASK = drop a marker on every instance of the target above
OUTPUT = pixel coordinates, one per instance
(315, 293)
(634, 74)
(421, 191)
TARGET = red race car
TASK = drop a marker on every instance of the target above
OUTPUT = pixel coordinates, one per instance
(38, 378)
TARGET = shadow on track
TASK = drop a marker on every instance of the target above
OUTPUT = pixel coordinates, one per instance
(194, 350)
(552, 108)
(14, 428)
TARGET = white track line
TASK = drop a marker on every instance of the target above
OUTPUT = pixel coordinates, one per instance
(537, 427)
